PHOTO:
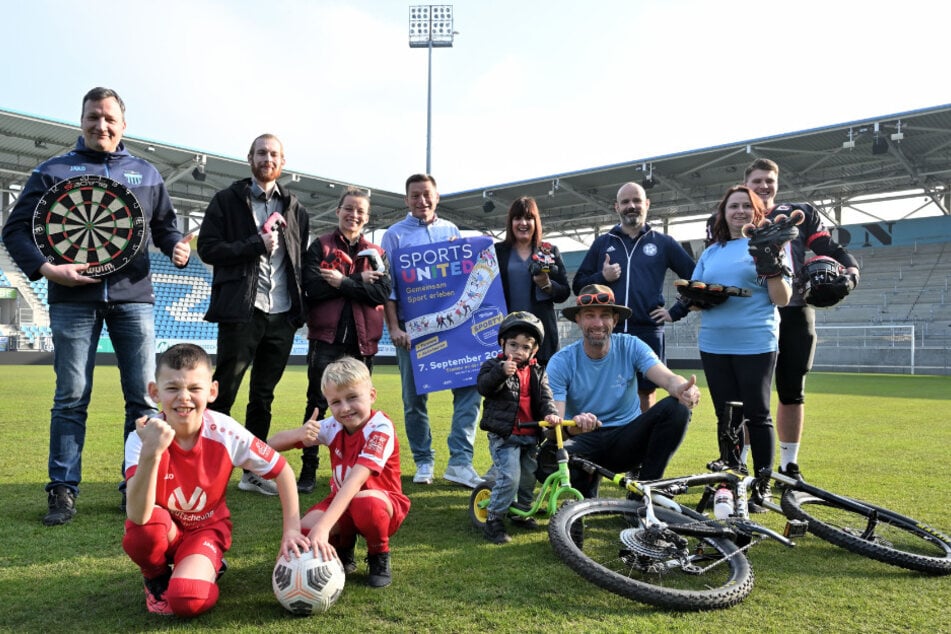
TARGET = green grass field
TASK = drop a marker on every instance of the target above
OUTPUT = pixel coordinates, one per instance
(875, 437)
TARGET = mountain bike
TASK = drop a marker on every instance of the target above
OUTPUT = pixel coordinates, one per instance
(857, 526)
(555, 488)
(654, 549)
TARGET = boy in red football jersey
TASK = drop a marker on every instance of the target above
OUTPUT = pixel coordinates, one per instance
(178, 466)
(366, 495)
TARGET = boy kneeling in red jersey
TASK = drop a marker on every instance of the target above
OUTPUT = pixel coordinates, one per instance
(178, 466)
(366, 495)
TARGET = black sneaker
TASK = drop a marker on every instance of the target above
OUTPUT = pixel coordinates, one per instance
(527, 523)
(495, 531)
(792, 471)
(379, 565)
(759, 495)
(62, 505)
(522, 521)
(307, 481)
(221, 570)
(347, 559)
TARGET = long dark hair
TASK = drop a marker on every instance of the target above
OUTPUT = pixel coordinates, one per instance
(721, 231)
(524, 207)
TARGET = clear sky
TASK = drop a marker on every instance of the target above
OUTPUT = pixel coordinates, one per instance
(529, 89)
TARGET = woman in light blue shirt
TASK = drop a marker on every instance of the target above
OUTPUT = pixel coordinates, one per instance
(739, 337)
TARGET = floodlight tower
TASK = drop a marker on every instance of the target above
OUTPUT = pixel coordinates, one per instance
(430, 25)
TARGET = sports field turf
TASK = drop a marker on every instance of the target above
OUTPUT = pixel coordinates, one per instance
(876, 437)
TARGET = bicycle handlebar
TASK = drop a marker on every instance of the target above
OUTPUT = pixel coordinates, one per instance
(545, 423)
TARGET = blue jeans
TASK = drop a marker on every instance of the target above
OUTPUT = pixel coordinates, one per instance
(513, 465)
(76, 327)
(465, 411)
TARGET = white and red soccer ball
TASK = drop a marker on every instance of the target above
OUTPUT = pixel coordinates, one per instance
(307, 584)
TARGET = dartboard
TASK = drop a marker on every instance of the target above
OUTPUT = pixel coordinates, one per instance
(90, 220)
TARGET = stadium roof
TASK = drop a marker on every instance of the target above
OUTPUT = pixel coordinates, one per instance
(903, 156)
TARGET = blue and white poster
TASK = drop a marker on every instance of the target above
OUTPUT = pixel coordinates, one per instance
(453, 303)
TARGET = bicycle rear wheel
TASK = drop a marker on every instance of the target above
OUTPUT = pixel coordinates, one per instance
(604, 541)
(873, 532)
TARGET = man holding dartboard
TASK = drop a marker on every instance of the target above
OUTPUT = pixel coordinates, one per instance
(83, 222)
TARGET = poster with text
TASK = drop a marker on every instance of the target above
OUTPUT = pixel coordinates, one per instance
(453, 303)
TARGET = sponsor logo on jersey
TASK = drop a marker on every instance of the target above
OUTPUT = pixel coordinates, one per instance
(650, 249)
(262, 449)
(194, 504)
(133, 178)
(376, 444)
(610, 249)
(77, 168)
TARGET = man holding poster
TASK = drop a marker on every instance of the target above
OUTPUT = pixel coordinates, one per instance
(446, 300)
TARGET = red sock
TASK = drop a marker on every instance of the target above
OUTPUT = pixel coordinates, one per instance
(191, 597)
(372, 521)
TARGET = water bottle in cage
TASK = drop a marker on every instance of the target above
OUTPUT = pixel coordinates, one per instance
(723, 502)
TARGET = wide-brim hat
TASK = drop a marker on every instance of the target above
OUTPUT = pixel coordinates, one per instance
(595, 296)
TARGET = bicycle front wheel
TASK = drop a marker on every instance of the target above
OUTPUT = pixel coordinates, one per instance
(605, 542)
(873, 532)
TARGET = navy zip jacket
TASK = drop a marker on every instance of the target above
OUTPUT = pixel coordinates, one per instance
(129, 284)
(644, 261)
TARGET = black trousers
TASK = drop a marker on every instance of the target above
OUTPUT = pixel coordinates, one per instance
(263, 344)
(746, 378)
(645, 445)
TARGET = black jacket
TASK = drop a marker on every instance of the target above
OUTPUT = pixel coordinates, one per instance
(501, 396)
(229, 241)
(544, 310)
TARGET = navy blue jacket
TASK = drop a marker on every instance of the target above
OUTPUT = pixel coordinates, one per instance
(644, 261)
(129, 284)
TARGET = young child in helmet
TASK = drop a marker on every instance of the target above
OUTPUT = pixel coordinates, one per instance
(516, 391)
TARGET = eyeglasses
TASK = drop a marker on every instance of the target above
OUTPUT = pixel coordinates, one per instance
(595, 298)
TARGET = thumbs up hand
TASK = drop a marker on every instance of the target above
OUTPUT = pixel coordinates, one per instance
(182, 251)
(610, 272)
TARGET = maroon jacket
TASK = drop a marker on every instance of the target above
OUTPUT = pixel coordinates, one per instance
(358, 303)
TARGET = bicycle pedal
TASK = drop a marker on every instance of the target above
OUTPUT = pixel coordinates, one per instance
(795, 528)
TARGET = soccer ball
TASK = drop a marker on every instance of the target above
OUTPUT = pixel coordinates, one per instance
(307, 584)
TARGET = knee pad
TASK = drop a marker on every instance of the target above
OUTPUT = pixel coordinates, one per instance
(190, 597)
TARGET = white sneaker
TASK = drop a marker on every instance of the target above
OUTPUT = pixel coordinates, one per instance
(424, 474)
(257, 484)
(464, 475)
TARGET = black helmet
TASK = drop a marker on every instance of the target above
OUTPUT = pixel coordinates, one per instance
(817, 281)
(522, 320)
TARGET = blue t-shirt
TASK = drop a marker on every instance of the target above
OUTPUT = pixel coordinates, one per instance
(740, 325)
(604, 387)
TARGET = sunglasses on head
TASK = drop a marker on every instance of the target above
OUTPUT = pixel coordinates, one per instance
(595, 298)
